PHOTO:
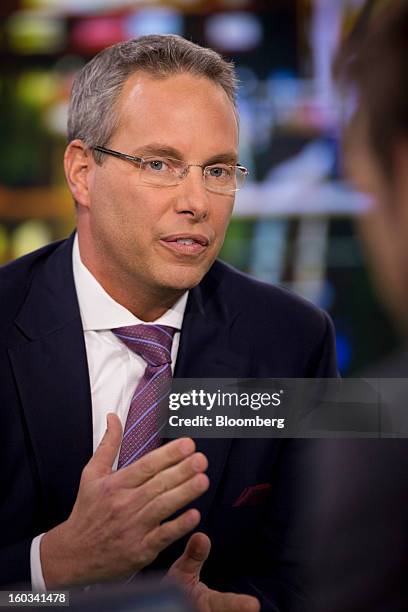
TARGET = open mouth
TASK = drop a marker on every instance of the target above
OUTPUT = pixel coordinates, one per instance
(186, 244)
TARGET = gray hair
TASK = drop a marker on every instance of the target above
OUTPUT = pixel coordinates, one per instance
(96, 88)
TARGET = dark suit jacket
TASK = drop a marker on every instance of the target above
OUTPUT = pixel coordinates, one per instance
(234, 326)
(361, 498)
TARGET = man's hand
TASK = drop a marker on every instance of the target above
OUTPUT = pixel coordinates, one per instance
(115, 528)
(186, 572)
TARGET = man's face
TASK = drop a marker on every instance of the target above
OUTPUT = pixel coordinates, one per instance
(384, 228)
(134, 227)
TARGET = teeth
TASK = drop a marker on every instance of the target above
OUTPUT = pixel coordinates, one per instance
(185, 241)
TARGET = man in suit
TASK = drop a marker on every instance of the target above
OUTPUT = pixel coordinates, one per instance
(361, 539)
(152, 167)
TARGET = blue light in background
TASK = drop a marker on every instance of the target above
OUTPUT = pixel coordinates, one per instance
(344, 352)
(234, 32)
(160, 20)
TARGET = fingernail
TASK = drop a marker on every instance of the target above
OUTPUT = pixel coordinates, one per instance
(197, 463)
(192, 517)
(199, 482)
(187, 446)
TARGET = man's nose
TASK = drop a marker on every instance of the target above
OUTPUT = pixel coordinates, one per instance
(193, 198)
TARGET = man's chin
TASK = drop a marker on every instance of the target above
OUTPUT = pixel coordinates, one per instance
(181, 287)
(183, 280)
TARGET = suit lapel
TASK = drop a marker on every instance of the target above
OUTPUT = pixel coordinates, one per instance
(48, 358)
(204, 353)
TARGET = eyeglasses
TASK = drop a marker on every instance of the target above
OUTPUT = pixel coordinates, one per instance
(166, 172)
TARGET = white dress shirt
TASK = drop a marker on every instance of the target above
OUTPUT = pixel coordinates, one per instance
(114, 370)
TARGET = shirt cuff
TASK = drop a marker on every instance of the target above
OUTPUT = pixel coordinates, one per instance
(37, 578)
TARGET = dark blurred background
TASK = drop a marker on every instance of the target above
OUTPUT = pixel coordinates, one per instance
(293, 223)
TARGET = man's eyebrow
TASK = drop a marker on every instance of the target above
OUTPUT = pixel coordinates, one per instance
(229, 157)
(222, 158)
(158, 149)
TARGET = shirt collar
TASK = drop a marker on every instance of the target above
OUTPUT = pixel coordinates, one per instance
(100, 312)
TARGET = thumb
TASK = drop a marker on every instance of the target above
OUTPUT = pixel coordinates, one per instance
(189, 565)
(102, 460)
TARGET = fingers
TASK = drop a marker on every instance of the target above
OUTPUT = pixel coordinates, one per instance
(154, 462)
(163, 506)
(231, 602)
(170, 478)
(102, 460)
(165, 534)
(194, 556)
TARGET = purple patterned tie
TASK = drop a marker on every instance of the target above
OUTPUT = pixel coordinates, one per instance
(153, 344)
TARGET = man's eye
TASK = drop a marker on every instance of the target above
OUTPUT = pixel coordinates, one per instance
(219, 172)
(156, 165)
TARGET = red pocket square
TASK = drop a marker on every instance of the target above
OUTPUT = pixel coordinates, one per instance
(253, 496)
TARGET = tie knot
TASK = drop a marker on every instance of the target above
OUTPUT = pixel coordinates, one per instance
(151, 342)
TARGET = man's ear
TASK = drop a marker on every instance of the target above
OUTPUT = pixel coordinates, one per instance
(78, 162)
(400, 174)
(399, 182)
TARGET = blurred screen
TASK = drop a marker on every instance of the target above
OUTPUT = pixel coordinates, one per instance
(293, 222)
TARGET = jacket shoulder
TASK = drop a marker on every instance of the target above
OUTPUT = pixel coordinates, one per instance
(15, 280)
(22, 267)
(284, 332)
(259, 298)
